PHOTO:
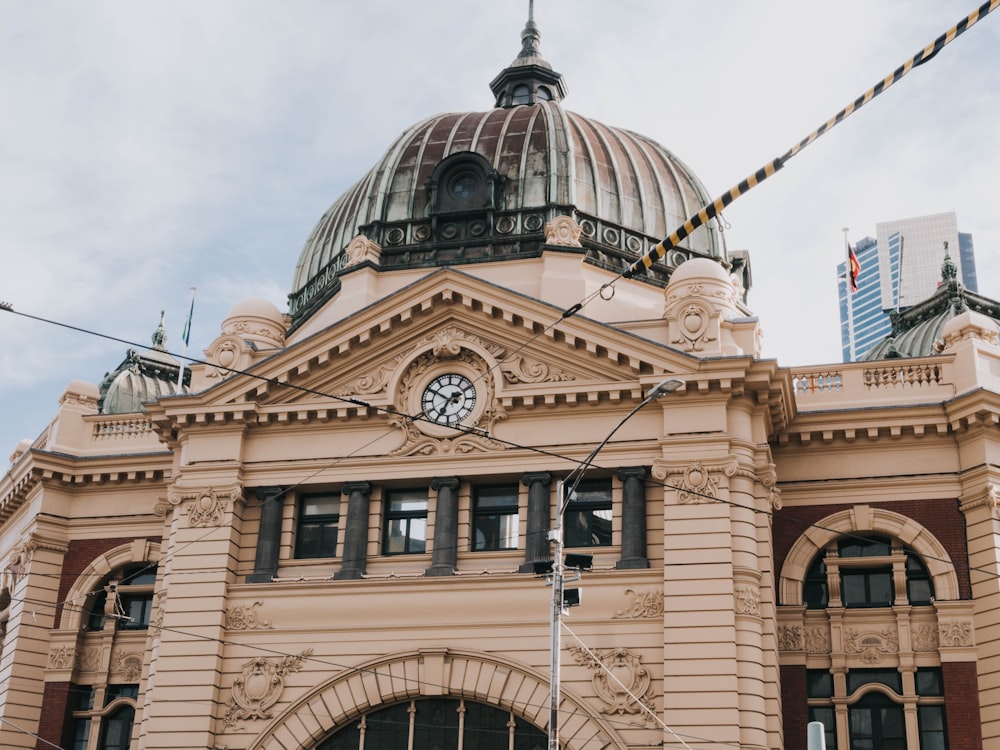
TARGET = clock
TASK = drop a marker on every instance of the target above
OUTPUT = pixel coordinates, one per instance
(448, 399)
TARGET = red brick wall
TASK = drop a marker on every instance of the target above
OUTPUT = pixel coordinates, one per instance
(81, 553)
(794, 709)
(961, 695)
(941, 517)
(55, 726)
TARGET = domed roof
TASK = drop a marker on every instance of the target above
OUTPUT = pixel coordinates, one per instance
(141, 377)
(463, 187)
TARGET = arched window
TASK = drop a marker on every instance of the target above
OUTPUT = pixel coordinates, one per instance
(124, 596)
(865, 571)
(520, 95)
(437, 723)
(462, 182)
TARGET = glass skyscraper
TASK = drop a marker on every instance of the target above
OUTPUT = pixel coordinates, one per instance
(899, 268)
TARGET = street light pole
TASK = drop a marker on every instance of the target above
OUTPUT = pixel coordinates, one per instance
(563, 497)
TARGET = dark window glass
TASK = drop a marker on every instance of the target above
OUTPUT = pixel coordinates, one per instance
(436, 727)
(891, 678)
(819, 683)
(825, 716)
(874, 546)
(319, 519)
(95, 618)
(543, 94)
(587, 521)
(144, 576)
(930, 720)
(113, 692)
(520, 95)
(137, 609)
(116, 729)
(866, 588)
(929, 681)
(83, 698)
(815, 592)
(405, 522)
(876, 723)
(919, 588)
(495, 518)
(81, 733)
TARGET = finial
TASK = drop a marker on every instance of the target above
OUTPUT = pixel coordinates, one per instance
(529, 79)
(160, 334)
(949, 269)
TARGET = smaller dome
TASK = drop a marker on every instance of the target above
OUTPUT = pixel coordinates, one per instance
(142, 377)
(699, 268)
(256, 308)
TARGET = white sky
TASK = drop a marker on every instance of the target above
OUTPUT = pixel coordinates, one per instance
(148, 147)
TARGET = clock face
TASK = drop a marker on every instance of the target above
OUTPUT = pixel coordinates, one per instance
(448, 399)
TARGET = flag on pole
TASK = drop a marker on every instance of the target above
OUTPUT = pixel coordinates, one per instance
(853, 268)
(186, 338)
(186, 335)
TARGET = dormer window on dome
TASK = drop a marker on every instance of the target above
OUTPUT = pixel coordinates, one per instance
(464, 182)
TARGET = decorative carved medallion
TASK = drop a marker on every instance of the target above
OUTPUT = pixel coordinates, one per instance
(747, 600)
(361, 249)
(692, 323)
(641, 604)
(696, 485)
(260, 686)
(207, 507)
(954, 633)
(618, 676)
(447, 344)
(790, 638)
(562, 230)
(244, 617)
(871, 646)
(128, 664)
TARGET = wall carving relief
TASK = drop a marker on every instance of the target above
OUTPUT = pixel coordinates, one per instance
(698, 482)
(63, 657)
(790, 638)
(818, 641)
(562, 230)
(360, 249)
(245, 617)
(693, 326)
(260, 686)
(205, 507)
(955, 633)
(128, 664)
(746, 600)
(641, 604)
(618, 676)
(924, 638)
(871, 646)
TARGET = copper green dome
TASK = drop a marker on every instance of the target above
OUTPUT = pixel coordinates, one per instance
(468, 187)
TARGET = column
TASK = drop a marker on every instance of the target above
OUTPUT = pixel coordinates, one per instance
(445, 554)
(269, 535)
(536, 543)
(633, 518)
(356, 533)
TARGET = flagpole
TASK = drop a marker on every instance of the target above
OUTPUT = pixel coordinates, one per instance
(186, 337)
(848, 289)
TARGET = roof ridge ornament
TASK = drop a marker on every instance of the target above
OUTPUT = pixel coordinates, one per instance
(529, 79)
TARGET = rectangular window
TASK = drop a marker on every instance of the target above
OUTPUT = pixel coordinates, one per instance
(588, 517)
(137, 608)
(866, 588)
(819, 683)
(929, 681)
(319, 519)
(930, 719)
(494, 518)
(891, 678)
(405, 522)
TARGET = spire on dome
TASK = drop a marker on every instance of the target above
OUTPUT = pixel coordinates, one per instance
(949, 270)
(529, 78)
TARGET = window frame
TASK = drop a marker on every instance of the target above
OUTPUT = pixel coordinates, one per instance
(407, 517)
(498, 517)
(587, 508)
(323, 522)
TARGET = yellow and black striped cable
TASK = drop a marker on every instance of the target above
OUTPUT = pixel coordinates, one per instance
(713, 209)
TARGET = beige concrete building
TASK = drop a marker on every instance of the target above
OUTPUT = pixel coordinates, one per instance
(329, 537)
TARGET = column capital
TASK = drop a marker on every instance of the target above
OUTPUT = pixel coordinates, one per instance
(364, 487)
(270, 493)
(632, 472)
(450, 483)
(536, 477)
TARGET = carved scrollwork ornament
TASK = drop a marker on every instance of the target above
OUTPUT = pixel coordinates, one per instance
(245, 617)
(362, 249)
(206, 506)
(562, 230)
(260, 686)
(128, 664)
(641, 604)
(619, 680)
(955, 633)
(818, 641)
(62, 657)
(747, 600)
(871, 646)
(791, 638)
